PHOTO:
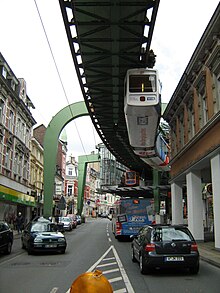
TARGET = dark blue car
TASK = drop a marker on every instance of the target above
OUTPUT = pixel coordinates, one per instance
(6, 238)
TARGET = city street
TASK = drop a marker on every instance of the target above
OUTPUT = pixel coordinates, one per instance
(92, 246)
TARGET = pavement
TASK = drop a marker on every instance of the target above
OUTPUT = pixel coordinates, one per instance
(209, 253)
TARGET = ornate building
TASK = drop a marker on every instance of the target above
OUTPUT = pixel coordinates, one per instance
(193, 114)
(16, 123)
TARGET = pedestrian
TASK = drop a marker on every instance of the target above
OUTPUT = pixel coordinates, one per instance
(19, 222)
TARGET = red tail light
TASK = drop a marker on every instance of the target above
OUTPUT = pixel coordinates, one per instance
(118, 228)
(194, 247)
(150, 247)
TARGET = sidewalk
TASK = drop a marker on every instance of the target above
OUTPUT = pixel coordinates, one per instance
(208, 253)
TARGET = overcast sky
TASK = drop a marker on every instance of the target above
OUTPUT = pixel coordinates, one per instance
(178, 29)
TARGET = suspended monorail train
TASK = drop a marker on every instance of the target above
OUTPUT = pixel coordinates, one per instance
(142, 108)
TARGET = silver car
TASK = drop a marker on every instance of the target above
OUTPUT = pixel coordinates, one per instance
(67, 223)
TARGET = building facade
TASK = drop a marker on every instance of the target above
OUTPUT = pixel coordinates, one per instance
(16, 124)
(58, 196)
(36, 175)
(71, 185)
(193, 114)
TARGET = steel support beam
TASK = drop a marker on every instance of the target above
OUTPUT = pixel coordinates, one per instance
(56, 125)
(82, 167)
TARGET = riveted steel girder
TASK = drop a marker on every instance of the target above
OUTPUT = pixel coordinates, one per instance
(106, 39)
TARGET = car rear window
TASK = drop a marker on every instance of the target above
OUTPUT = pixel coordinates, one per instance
(171, 234)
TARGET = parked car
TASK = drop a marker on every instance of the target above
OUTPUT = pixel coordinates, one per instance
(104, 215)
(73, 220)
(6, 238)
(67, 223)
(42, 235)
(79, 219)
(165, 246)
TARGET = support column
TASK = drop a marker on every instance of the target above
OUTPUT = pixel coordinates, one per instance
(82, 166)
(51, 137)
(156, 191)
(195, 205)
(215, 170)
(176, 204)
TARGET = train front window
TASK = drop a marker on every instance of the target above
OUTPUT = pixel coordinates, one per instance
(142, 83)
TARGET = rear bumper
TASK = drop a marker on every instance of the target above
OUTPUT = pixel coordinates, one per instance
(154, 260)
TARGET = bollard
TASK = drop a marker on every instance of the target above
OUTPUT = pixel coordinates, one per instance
(91, 282)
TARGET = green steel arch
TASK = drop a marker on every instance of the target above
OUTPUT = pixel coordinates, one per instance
(58, 122)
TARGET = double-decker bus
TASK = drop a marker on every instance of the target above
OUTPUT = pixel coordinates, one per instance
(130, 214)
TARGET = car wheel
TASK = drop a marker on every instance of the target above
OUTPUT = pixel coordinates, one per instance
(194, 270)
(133, 256)
(29, 250)
(63, 251)
(8, 248)
(143, 268)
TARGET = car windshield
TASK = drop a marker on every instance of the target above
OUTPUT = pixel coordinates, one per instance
(43, 227)
(171, 234)
(65, 219)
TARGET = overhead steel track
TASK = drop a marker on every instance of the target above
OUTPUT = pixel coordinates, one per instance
(106, 39)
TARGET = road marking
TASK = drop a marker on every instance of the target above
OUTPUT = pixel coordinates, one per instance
(99, 260)
(124, 275)
(107, 264)
(115, 279)
(110, 271)
(109, 239)
(54, 290)
(120, 268)
(120, 291)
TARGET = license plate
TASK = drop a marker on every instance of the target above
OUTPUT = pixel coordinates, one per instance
(50, 245)
(174, 258)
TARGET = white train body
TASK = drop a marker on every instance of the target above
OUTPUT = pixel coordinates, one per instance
(159, 158)
(142, 108)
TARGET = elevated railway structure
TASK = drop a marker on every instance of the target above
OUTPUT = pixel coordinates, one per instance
(107, 38)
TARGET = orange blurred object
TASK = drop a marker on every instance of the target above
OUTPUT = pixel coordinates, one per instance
(91, 282)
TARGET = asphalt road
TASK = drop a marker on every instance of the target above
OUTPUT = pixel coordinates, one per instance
(92, 246)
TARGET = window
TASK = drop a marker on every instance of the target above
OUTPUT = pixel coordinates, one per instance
(15, 166)
(4, 72)
(20, 165)
(27, 137)
(203, 109)
(191, 121)
(181, 129)
(11, 121)
(142, 83)
(23, 131)
(2, 106)
(18, 129)
(70, 171)
(216, 93)
(70, 190)
(25, 170)
(13, 84)
(7, 158)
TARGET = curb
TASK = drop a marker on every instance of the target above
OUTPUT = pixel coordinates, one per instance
(211, 262)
